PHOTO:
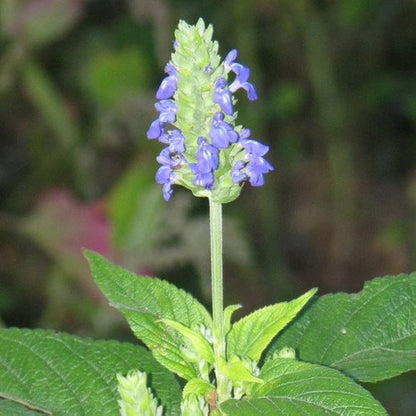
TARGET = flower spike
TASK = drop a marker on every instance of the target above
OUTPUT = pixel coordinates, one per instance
(205, 151)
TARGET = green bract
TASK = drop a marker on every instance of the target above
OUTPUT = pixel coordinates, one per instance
(136, 398)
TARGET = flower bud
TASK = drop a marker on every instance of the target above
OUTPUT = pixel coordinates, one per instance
(194, 405)
(136, 397)
(286, 352)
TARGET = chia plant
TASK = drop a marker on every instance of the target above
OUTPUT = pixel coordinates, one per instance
(306, 356)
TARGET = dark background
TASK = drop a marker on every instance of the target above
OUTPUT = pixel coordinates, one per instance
(336, 81)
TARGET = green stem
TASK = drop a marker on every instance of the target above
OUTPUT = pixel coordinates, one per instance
(215, 221)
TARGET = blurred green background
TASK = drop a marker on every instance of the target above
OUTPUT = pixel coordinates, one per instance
(337, 104)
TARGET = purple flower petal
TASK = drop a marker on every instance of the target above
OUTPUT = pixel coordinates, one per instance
(223, 97)
(229, 59)
(242, 72)
(169, 84)
(176, 142)
(163, 174)
(206, 156)
(251, 91)
(204, 179)
(254, 147)
(237, 174)
(164, 158)
(259, 164)
(241, 81)
(245, 134)
(154, 130)
(167, 191)
(255, 178)
(222, 133)
(167, 110)
(165, 137)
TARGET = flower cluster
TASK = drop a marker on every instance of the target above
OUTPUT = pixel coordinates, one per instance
(205, 151)
(192, 405)
(136, 397)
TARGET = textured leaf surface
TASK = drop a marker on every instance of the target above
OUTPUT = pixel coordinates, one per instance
(144, 301)
(370, 335)
(67, 375)
(199, 343)
(196, 386)
(10, 408)
(296, 388)
(251, 335)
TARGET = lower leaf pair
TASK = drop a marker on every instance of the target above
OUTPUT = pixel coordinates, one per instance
(312, 367)
(282, 385)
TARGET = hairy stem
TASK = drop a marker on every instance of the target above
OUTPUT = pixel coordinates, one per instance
(215, 217)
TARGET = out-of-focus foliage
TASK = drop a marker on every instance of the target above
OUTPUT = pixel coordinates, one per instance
(337, 105)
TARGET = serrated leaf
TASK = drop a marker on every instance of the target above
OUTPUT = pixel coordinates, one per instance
(370, 336)
(235, 370)
(196, 386)
(68, 375)
(200, 344)
(251, 335)
(144, 301)
(297, 388)
(228, 312)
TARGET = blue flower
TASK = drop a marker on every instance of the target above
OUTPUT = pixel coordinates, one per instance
(253, 166)
(229, 60)
(206, 156)
(206, 164)
(168, 85)
(204, 179)
(256, 168)
(237, 174)
(176, 141)
(222, 97)
(222, 133)
(252, 147)
(155, 130)
(241, 81)
(167, 111)
(165, 175)
(165, 158)
(242, 75)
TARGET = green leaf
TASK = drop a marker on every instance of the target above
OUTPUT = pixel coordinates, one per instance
(297, 388)
(251, 335)
(370, 336)
(235, 370)
(67, 375)
(8, 407)
(197, 386)
(144, 301)
(228, 312)
(200, 344)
